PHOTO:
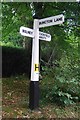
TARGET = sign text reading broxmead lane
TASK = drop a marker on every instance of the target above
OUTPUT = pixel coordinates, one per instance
(59, 19)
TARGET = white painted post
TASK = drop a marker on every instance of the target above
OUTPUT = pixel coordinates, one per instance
(35, 53)
(34, 83)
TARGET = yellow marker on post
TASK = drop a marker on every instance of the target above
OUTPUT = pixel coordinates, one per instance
(36, 67)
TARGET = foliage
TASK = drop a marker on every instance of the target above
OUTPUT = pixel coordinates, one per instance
(18, 14)
(65, 89)
(13, 17)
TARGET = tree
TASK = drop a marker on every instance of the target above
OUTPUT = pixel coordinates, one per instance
(18, 14)
(22, 14)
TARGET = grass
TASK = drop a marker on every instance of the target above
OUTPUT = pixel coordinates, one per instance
(16, 100)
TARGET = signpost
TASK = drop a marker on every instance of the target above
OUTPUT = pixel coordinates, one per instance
(36, 35)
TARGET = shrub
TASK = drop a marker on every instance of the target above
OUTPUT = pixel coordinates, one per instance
(64, 86)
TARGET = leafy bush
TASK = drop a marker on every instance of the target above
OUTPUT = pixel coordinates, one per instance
(65, 85)
(64, 91)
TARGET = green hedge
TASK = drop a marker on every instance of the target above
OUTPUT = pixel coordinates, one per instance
(15, 61)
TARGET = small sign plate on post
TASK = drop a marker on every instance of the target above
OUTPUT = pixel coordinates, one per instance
(44, 36)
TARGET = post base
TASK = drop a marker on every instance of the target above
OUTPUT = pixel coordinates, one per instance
(34, 95)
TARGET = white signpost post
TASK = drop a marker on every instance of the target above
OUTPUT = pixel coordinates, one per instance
(36, 35)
